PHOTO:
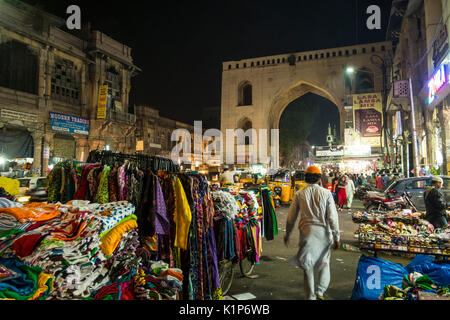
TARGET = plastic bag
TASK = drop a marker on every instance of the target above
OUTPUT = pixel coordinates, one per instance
(438, 272)
(373, 274)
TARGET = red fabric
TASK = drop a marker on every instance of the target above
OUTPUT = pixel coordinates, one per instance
(379, 183)
(25, 245)
(127, 291)
(342, 197)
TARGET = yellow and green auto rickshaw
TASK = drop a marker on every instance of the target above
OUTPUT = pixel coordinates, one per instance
(280, 184)
(299, 178)
(249, 178)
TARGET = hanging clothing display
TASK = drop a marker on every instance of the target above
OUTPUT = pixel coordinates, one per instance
(242, 218)
(96, 209)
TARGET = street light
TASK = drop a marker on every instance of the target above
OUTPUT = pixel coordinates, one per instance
(350, 70)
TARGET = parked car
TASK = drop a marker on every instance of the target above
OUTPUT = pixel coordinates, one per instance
(32, 189)
(415, 187)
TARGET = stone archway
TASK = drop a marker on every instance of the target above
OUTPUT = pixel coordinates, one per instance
(299, 89)
(285, 97)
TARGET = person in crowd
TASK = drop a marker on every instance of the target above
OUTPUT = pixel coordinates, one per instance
(350, 191)
(385, 179)
(360, 179)
(227, 176)
(341, 192)
(334, 183)
(319, 232)
(435, 204)
(356, 180)
(379, 182)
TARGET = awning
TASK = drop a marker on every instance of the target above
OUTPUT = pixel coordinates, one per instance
(16, 143)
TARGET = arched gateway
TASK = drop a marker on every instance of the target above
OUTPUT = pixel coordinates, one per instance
(278, 80)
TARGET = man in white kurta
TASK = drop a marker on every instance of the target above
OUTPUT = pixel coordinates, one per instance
(350, 190)
(319, 232)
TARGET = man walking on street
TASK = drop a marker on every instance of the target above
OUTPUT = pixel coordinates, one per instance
(319, 231)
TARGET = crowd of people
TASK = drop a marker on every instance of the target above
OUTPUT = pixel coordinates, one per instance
(344, 185)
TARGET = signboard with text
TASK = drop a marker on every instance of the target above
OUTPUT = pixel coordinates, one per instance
(69, 124)
(368, 111)
(334, 151)
(102, 102)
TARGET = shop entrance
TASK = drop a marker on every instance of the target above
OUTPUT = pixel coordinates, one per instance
(16, 151)
(63, 147)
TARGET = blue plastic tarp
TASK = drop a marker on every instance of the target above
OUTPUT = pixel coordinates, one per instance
(438, 272)
(373, 274)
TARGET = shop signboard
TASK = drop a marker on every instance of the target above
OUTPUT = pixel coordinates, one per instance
(69, 124)
(440, 45)
(102, 102)
(46, 152)
(17, 115)
(140, 145)
(333, 151)
(438, 80)
(357, 151)
(368, 110)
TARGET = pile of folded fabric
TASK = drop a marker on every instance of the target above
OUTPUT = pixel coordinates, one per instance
(78, 250)
(5, 194)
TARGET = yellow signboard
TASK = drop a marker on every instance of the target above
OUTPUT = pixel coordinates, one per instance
(102, 100)
(368, 118)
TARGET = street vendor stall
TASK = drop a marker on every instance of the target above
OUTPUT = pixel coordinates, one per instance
(401, 230)
(242, 218)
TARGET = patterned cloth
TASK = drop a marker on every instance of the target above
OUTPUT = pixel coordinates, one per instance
(110, 214)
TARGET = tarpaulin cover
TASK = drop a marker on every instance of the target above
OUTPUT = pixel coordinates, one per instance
(373, 274)
(16, 143)
(439, 272)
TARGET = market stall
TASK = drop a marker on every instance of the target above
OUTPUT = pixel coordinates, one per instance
(401, 230)
(121, 227)
(242, 218)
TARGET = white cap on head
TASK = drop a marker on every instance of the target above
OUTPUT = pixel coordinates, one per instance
(437, 179)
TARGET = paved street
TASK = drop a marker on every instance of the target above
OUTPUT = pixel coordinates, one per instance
(279, 280)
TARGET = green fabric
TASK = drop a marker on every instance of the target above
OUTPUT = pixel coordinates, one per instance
(7, 233)
(131, 216)
(31, 273)
(393, 291)
(275, 223)
(102, 195)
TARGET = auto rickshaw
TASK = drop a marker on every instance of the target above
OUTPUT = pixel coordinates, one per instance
(280, 184)
(299, 179)
(248, 178)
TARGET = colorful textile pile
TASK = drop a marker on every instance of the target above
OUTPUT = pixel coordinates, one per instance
(72, 255)
(173, 212)
(5, 194)
(412, 285)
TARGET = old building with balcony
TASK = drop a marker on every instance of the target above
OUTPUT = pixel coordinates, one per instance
(50, 79)
(420, 62)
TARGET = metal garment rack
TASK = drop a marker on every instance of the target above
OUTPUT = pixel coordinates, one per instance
(144, 162)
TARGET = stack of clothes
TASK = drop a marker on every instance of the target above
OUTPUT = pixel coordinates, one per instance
(78, 250)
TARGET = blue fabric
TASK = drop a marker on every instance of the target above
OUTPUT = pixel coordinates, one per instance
(438, 272)
(373, 274)
(21, 284)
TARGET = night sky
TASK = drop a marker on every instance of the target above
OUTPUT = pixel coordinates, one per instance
(180, 46)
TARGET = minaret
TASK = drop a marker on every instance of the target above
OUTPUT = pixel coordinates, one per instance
(329, 136)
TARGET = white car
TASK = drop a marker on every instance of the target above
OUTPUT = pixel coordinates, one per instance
(32, 189)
